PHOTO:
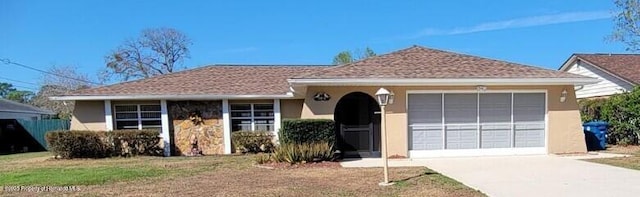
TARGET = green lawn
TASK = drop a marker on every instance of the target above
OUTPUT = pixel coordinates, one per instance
(214, 176)
(631, 162)
(40, 169)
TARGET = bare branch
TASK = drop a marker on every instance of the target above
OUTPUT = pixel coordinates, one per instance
(155, 52)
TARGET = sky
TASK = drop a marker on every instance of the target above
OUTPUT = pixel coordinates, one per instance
(540, 33)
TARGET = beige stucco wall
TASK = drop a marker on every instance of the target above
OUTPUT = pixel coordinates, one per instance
(291, 108)
(565, 131)
(565, 128)
(88, 115)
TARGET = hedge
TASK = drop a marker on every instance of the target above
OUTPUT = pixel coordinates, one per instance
(307, 131)
(621, 111)
(100, 144)
(252, 141)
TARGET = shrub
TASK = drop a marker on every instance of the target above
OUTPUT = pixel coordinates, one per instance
(621, 111)
(591, 109)
(100, 144)
(78, 144)
(135, 142)
(263, 158)
(307, 131)
(252, 141)
(302, 153)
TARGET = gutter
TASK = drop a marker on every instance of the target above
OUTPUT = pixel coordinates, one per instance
(168, 97)
(447, 82)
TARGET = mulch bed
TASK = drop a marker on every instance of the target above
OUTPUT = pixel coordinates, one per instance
(283, 165)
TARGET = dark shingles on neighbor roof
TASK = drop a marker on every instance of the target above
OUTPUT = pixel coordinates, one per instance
(211, 80)
(12, 106)
(420, 62)
(626, 66)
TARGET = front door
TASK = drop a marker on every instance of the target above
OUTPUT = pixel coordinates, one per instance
(358, 125)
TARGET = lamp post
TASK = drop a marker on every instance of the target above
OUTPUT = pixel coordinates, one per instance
(384, 97)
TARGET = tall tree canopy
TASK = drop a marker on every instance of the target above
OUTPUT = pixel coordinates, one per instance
(66, 80)
(157, 51)
(346, 57)
(627, 24)
(8, 91)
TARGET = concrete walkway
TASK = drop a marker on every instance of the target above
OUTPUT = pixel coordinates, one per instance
(540, 175)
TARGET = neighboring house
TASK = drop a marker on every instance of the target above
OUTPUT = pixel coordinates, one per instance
(617, 73)
(13, 136)
(15, 110)
(446, 104)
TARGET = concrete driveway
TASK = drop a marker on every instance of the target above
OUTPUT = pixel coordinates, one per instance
(541, 175)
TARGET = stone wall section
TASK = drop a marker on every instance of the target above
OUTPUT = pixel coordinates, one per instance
(199, 120)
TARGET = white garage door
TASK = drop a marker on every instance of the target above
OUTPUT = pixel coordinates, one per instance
(461, 124)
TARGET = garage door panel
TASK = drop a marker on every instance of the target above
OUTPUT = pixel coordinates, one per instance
(461, 136)
(528, 119)
(425, 109)
(495, 136)
(426, 137)
(529, 135)
(460, 108)
(425, 121)
(495, 120)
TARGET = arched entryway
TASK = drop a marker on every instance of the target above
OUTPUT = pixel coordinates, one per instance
(357, 117)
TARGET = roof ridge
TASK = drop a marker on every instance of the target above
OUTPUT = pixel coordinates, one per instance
(155, 76)
(358, 61)
(26, 105)
(606, 54)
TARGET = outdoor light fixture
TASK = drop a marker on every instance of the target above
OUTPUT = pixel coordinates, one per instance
(385, 97)
(321, 96)
(481, 88)
(563, 96)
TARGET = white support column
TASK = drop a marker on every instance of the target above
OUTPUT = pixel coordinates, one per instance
(108, 115)
(226, 126)
(164, 118)
(277, 118)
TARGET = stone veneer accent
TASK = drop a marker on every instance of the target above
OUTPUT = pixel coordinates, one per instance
(209, 131)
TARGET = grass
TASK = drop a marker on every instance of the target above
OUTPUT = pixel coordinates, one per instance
(215, 176)
(631, 162)
(76, 176)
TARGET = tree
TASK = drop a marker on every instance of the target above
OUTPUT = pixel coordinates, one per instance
(5, 89)
(156, 52)
(21, 96)
(54, 85)
(346, 57)
(8, 91)
(627, 24)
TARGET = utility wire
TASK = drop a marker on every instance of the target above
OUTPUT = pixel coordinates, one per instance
(26, 88)
(7, 61)
(30, 83)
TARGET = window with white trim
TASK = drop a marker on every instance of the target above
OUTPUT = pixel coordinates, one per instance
(136, 116)
(252, 117)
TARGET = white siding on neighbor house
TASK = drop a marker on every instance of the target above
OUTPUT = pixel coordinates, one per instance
(608, 85)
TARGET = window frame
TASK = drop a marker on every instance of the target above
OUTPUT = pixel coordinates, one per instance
(139, 118)
(253, 116)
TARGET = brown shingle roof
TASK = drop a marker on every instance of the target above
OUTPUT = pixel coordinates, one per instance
(626, 66)
(419, 62)
(210, 80)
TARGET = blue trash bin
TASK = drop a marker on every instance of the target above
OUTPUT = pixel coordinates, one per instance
(595, 134)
